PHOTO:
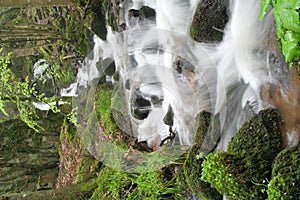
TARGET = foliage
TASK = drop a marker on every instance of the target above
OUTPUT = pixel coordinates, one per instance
(243, 171)
(286, 14)
(285, 183)
(114, 184)
(192, 171)
(18, 92)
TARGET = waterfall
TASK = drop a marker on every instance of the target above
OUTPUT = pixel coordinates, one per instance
(161, 67)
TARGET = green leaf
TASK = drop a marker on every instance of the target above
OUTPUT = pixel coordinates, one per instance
(264, 5)
(290, 45)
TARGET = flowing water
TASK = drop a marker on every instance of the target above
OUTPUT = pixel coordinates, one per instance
(161, 67)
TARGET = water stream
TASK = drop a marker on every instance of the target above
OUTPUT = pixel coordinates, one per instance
(161, 67)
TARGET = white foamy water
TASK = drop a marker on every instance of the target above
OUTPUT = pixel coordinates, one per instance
(157, 57)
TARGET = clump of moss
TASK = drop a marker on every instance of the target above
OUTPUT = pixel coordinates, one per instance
(243, 171)
(192, 171)
(203, 120)
(285, 183)
(114, 184)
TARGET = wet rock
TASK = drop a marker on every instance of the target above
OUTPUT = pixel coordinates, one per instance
(116, 76)
(169, 117)
(98, 22)
(147, 12)
(140, 107)
(109, 66)
(127, 84)
(133, 13)
(98, 26)
(209, 20)
(208, 131)
(156, 100)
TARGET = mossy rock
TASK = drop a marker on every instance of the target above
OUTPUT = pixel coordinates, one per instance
(192, 171)
(243, 171)
(285, 183)
(260, 137)
(207, 133)
(203, 121)
(228, 173)
(209, 19)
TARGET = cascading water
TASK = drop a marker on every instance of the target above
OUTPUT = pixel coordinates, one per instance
(161, 68)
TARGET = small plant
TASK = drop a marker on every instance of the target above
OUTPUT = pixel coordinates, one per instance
(286, 14)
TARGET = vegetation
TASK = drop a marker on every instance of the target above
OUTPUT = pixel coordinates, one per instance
(61, 35)
(192, 171)
(120, 185)
(21, 93)
(286, 14)
(243, 172)
(285, 183)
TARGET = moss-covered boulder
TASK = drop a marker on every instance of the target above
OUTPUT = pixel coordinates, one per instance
(261, 134)
(228, 173)
(243, 171)
(259, 141)
(192, 170)
(285, 183)
(209, 20)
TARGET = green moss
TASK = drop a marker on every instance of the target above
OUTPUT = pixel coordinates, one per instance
(243, 171)
(225, 172)
(203, 121)
(192, 171)
(87, 169)
(261, 134)
(285, 183)
(103, 98)
(113, 184)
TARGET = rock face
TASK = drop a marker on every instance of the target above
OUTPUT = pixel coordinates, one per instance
(29, 160)
(209, 20)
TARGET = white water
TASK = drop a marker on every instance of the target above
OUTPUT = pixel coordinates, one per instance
(225, 79)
